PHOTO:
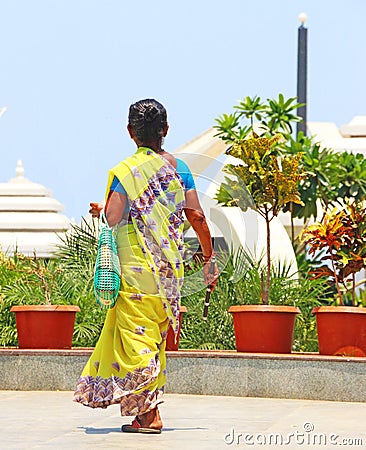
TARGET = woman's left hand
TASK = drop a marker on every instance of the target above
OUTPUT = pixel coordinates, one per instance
(95, 209)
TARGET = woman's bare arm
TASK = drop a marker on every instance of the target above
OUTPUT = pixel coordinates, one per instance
(197, 219)
(115, 208)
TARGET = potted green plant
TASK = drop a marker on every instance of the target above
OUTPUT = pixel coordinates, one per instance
(286, 293)
(264, 179)
(341, 236)
(40, 322)
(270, 181)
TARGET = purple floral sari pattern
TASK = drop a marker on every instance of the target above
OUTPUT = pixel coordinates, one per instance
(157, 191)
(98, 392)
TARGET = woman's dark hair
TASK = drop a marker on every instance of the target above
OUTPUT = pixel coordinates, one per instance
(148, 120)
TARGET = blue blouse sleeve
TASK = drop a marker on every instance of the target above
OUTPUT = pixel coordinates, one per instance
(185, 174)
(117, 186)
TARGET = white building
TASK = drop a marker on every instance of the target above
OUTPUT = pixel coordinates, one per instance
(30, 218)
(350, 137)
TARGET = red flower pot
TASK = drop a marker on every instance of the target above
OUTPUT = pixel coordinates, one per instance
(45, 326)
(170, 344)
(264, 328)
(341, 330)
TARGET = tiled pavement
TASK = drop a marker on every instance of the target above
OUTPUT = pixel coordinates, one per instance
(39, 419)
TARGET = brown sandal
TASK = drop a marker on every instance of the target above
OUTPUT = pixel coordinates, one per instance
(136, 427)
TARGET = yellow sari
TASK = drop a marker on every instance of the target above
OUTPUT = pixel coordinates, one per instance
(128, 365)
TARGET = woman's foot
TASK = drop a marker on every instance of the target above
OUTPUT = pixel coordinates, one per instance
(149, 423)
(151, 419)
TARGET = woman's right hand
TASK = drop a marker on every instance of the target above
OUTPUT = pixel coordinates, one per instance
(210, 278)
(95, 209)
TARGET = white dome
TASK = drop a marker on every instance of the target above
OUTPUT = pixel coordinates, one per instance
(34, 221)
(21, 186)
(29, 217)
(44, 243)
(24, 189)
(46, 204)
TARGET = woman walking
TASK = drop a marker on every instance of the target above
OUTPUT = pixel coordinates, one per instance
(146, 197)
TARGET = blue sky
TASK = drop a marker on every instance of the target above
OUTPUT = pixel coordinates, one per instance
(71, 68)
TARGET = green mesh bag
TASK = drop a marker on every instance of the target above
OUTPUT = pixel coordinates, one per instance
(107, 272)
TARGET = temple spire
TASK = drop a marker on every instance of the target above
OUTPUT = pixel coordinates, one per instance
(19, 171)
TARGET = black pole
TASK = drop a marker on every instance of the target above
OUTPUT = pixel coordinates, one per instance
(302, 63)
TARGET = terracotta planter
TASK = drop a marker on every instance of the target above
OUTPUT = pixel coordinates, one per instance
(170, 344)
(45, 326)
(264, 328)
(341, 330)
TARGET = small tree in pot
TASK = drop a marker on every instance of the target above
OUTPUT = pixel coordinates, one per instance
(264, 179)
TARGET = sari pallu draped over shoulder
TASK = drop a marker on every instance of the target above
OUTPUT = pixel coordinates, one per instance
(128, 362)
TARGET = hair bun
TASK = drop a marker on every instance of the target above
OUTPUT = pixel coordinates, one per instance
(151, 113)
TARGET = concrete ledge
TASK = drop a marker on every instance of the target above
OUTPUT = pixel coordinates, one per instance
(296, 376)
